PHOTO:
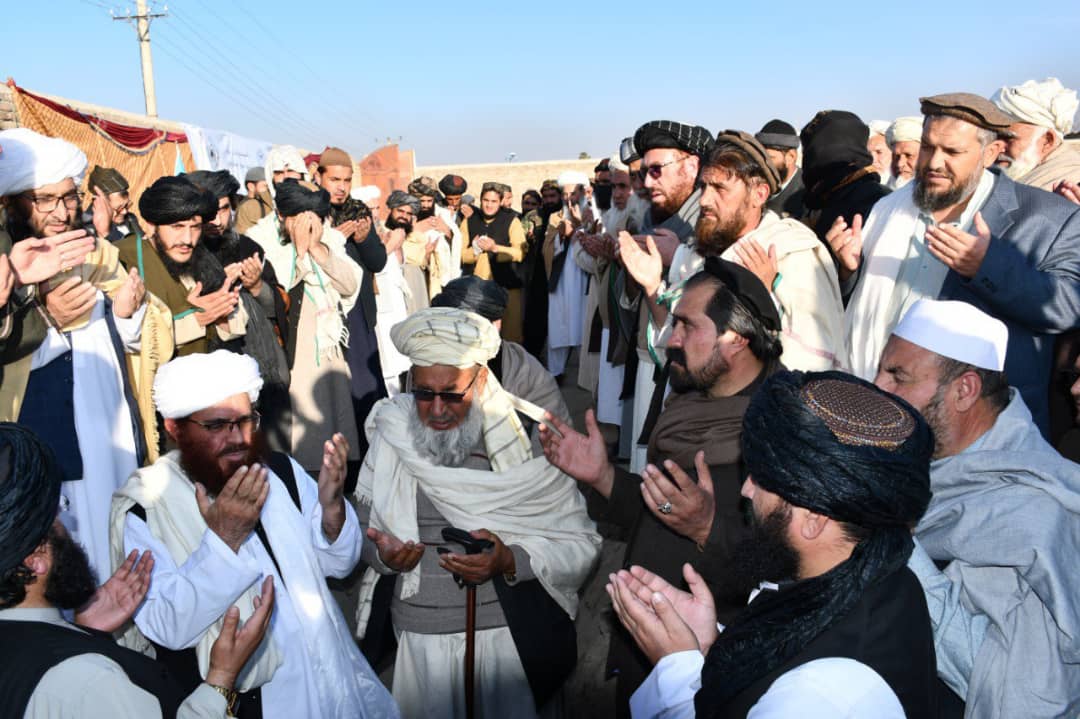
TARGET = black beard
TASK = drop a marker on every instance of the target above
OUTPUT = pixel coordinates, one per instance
(785, 173)
(684, 380)
(392, 224)
(71, 582)
(929, 202)
(550, 208)
(424, 214)
(764, 556)
(202, 267)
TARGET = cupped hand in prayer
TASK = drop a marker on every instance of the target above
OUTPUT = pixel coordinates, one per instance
(213, 306)
(236, 643)
(645, 266)
(846, 244)
(962, 252)
(692, 504)
(332, 485)
(129, 297)
(479, 568)
(115, 601)
(753, 257)
(1069, 190)
(583, 457)
(662, 619)
(36, 260)
(233, 514)
(395, 554)
(70, 299)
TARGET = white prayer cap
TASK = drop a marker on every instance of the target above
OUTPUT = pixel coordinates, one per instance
(956, 330)
(1046, 104)
(366, 193)
(572, 178)
(30, 160)
(188, 384)
(284, 157)
(616, 164)
(879, 127)
(904, 129)
(446, 336)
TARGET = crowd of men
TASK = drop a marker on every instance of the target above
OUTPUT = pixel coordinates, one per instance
(303, 450)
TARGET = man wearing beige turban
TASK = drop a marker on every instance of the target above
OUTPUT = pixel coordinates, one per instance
(903, 137)
(452, 452)
(1038, 155)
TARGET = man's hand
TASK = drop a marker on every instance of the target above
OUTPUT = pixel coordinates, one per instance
(692, 505)
(846, 244)
(395, 554)
(213, 306)
(466, 211)
(130, 296)
(251, 273)
(696, 607)
(479, 568)
(235, 645)
(485, 243)
(233, 514)
(582, 457)
(36, 260)
(960, 251)
(347, 228)
(666, 243)
(1069, 190)
(304, 230)
(646, 267)
(394, 240)
(7, 279)
(72, 298)
(654, 624)
(332, 485)
(115, 601)
(763, 264)
(102, 214)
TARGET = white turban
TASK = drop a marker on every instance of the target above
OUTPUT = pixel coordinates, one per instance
(366, 193)
(283, 157)
(573, 178)
(956, 330)
(904, 129)
(192, 383)
(29, 160)
(446, 336)
(879, 127)
(617, 165)
(1046, 104)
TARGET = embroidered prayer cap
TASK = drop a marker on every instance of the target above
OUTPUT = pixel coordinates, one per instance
(29, 493)
(294, 197)
(255, 174)
(453, 185)
(219, 183)
(572, 178)
(748, 289)
(176, 199)
(694, 139)
(195, 382)
(446, 336)
(30, 160)
(1046, 104)
(755, 149)
(107, 180)
(399, 198)
(839, 446)
(334, 157)
(878, 127)
(904, 129)
(956, 330)
(423, 186)
(777, 134)
(484, 297)
(971, 108)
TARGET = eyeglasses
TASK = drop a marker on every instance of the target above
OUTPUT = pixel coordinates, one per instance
(218, 426)
(47, 203)
(654, 171)
(429, 395)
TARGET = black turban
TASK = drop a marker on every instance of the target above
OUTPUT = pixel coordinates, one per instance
(694, 139)
(453, 185)
(219, 184)
(29, 493)
(175, 199)
(834, 147)
(838, 446)
(484, 297)
(293, 197)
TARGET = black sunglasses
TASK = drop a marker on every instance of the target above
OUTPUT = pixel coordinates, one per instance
(429, 395)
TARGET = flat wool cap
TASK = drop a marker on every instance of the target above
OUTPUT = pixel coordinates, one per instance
(968, 107)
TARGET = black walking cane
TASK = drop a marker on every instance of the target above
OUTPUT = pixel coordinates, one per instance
(472, 545)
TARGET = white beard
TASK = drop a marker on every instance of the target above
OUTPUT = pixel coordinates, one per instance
(447, 447)
(1028, 161)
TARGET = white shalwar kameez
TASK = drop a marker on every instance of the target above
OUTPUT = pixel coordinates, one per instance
(566, 307)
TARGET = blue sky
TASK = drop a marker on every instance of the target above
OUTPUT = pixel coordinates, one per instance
(474, 82)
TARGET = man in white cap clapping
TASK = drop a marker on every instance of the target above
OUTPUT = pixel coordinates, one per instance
(1002, 524)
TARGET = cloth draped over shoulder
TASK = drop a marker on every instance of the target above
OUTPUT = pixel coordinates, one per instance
(1006, 514)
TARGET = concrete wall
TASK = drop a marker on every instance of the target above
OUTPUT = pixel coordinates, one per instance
(519, 175)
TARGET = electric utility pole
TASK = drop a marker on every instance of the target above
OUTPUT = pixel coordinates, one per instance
(142, 18)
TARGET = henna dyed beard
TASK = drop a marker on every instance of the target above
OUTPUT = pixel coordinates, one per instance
(212, 469)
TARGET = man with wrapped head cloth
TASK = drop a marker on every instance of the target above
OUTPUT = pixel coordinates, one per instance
(904, 138)
(453, 452)
(434, 245)
(1037, 154)
(401, 211)
(282, 162)
(310, 261)
(878, 147)
(837, 474)
(70, 383)
(203, 296)
(225, 519)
